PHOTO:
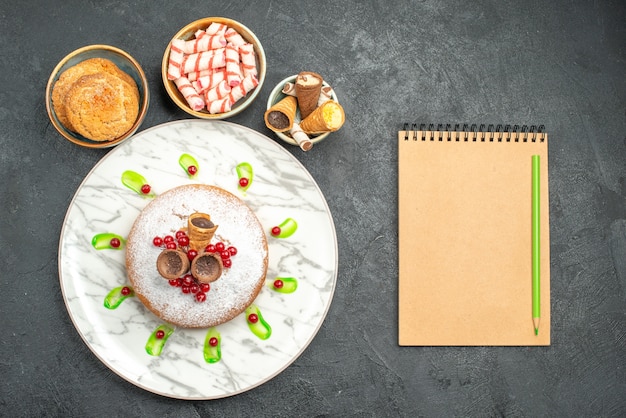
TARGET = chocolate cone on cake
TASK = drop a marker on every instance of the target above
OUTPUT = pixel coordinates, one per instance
(280, 117)
(308, 89)
(200, 230)
(207, 267)
(172, 264)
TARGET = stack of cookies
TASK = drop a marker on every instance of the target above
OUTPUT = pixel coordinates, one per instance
(96, 99)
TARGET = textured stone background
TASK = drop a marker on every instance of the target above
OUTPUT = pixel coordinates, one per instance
(558, 63)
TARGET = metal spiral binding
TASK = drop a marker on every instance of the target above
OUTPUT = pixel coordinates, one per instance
(473, 133)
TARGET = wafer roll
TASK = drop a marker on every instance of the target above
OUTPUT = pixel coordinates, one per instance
(327, 118)
(308, 88)
(200, 230)
(280, 117)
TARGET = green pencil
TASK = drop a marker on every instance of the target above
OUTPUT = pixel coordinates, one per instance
(536, 287)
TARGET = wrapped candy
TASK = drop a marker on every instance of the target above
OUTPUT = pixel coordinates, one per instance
(214, 58)
(195, 101)
(177, 54)
(233, 70)
(216, 28)
(209, 81)
(248, 61)
(220, 91)
(204, 42)
(233, 37)
(248, 84)
(219, 105)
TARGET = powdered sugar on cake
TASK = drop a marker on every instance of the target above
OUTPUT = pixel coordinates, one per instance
(237, 287)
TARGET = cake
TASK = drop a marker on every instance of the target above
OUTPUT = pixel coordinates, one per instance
(238, 283)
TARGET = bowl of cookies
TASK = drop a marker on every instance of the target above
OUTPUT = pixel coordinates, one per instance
(97, 96)
(213, 68)
(303, 109)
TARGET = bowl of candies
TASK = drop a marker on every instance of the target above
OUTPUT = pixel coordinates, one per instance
(213, 68)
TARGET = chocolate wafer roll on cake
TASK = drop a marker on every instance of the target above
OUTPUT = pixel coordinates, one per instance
(200, 230)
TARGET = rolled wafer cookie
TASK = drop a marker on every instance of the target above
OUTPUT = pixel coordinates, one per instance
(200, 230)
(328, 117)
(280, 117)
(308, 89)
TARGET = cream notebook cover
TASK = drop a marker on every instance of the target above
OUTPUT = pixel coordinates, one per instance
(465, 237)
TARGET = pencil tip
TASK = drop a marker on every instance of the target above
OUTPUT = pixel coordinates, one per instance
(536, 331)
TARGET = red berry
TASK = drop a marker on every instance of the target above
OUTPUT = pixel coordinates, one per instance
(200, 296)
(160, 334)
(205, 287)
(278, 283)
(276, 231)
(170, 245)
(213, 342)
(188, 280)
(191, 254)
(227, 263)
(145, 189)
(174, 282)
(220, 246)
(185, 289)
(194, 288)
(180, 233)
(115, 242)
(243, 182)
(192, 170)
(232, 250)
(157, 241)
(210, 248)
(179, 282)
(168, 238)
(253, 318)
(125, 291)
(183, 241)
(225, 255)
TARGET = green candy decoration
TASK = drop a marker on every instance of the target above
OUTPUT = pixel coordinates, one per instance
(187, 161)
(284, 284)
(116, 296)
(245, 171)
(135, 182)
(212, 354)
(103, 241)
(154, 346)
(258, 326)
(286, 228)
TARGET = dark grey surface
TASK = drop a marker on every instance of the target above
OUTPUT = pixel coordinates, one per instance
(559, 63)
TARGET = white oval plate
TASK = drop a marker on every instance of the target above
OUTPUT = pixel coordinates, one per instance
(281, 188)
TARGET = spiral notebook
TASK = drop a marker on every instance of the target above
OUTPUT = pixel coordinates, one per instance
(464, 230)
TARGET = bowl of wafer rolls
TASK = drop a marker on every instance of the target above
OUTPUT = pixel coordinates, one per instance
(97, 96)
(213, 68)
(303, 109)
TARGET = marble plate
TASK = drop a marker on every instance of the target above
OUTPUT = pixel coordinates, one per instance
(282, 188)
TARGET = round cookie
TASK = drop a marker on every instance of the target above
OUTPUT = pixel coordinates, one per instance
(72, 74)
(101, 106)
(238, 285)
